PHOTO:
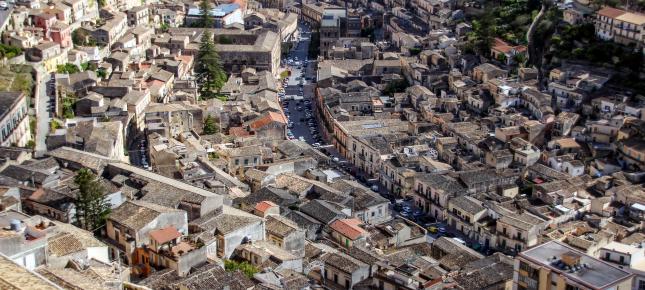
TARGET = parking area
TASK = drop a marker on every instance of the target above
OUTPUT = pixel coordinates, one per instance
(138, 152)
(436, 229)
(297, 92)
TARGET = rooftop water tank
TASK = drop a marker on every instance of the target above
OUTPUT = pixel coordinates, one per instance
(15, 225)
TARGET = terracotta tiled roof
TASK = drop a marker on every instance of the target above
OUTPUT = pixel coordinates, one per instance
(263, 206)
(348, 228)
(266, 119)
(502, 46)
(610, 12)
(238, 132)
(165, 235)
(184, 58)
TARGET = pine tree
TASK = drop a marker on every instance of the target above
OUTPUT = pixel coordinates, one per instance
(91, 207)
(210, 127)
(210, 74)
(206, 20)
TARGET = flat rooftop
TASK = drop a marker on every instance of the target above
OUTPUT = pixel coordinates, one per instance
(598, 274)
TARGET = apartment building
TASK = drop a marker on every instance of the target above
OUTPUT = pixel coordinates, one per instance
(433, 191)
(621, 26)
(627, 257)
(554, 265)
(518, 231)
(463, 213)
(14, 122)
(312, 13)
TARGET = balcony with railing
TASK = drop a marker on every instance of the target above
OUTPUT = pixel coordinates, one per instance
(12, 125)
(527, 282)
(509, 236)
(460, 217)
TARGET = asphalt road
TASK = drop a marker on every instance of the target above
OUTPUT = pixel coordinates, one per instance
(137, 151)
(301, 111)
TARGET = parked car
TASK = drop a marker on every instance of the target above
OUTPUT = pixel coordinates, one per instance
(458, 240)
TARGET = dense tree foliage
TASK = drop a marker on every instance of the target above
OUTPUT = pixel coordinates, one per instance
(91, 206)
(206, 20)
(210, 125)
(508, 20)
(397, 86)
(9, 51)
(68, 68)
(210, 74)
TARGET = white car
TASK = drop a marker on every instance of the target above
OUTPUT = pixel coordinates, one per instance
(4, 5)
(458, 240)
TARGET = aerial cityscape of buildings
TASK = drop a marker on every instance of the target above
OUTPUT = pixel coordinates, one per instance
(322, 144)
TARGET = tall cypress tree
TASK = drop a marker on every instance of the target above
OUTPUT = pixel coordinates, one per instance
(210, 74)
(210, 127)
(206, 20)
(91, 207)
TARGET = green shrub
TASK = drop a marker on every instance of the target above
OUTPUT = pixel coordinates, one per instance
(246, 268)
(68, 68)
(9, 51)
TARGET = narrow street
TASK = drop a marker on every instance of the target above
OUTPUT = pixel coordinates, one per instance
(297, 100)
(44, 107)
(137, 151)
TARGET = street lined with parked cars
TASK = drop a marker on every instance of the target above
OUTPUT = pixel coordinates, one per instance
(295, 97)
